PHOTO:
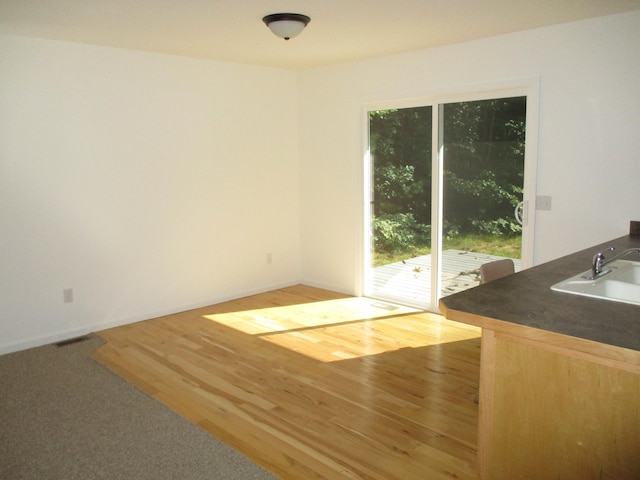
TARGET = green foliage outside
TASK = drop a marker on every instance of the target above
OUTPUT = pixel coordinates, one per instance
(483, 178)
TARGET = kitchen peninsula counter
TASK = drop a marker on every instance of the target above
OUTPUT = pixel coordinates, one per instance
(559, 375)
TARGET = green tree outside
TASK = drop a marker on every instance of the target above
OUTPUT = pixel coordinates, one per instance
(483, 177)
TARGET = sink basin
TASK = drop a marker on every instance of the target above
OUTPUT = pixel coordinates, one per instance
(621, 284)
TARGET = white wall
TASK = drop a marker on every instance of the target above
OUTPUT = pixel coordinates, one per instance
(589, 134)
(152, 184)
(147, 183)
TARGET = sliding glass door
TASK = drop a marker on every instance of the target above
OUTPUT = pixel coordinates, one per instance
(446, 194)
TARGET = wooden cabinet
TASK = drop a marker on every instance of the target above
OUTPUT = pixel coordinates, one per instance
(549, 412)
(553, 406)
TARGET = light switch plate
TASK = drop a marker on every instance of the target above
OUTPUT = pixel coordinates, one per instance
(543, 202)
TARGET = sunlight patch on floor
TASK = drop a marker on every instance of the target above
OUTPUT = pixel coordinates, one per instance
(305, 316)
(325, 330)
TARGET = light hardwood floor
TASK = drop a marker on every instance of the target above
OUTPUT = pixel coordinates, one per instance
(311, 384)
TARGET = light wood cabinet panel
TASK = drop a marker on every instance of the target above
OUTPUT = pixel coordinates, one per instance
(552, 415)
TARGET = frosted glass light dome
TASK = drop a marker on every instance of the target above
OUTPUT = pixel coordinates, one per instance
(286, 25)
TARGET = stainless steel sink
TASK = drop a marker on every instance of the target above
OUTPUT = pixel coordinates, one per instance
(621, 284)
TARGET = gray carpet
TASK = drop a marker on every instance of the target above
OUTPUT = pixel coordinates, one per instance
(63, 416)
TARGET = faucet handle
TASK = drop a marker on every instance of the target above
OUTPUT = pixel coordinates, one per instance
(600, 255)
(598, 262)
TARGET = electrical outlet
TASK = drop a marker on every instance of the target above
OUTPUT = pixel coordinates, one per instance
(67, 295)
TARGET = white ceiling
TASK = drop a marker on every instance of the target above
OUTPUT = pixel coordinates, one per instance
(340, 30)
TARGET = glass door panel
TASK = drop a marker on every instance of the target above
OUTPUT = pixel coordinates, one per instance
(400, 214)
(483, 184)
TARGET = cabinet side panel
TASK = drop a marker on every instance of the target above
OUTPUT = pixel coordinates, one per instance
(561, 417)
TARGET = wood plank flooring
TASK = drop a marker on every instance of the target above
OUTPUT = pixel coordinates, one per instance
(311, 384)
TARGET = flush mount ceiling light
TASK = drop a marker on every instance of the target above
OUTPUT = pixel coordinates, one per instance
(286, 25)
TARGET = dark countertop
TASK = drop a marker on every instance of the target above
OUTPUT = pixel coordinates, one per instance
(526, 299)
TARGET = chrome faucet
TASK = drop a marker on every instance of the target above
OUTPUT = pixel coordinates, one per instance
(599, 261)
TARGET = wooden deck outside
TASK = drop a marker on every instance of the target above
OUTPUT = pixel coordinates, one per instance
(411, 279)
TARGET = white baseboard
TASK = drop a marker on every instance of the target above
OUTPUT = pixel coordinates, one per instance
(96, 326)
(332, 288)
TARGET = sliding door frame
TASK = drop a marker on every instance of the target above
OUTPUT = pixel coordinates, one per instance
(528, 88)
